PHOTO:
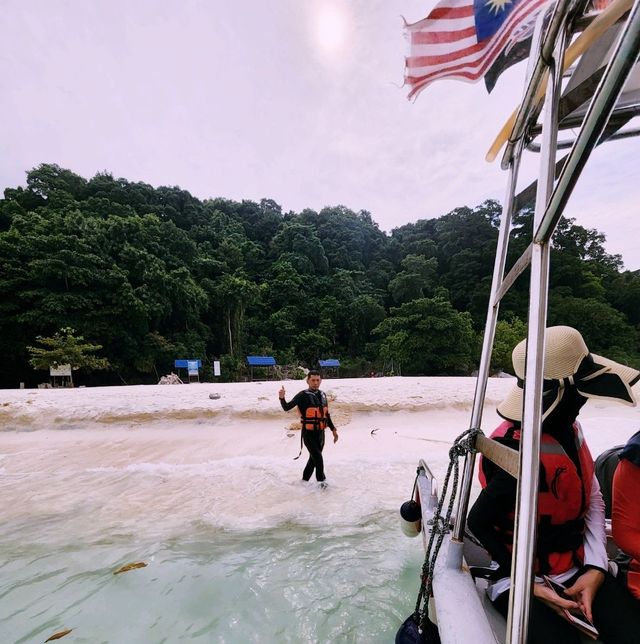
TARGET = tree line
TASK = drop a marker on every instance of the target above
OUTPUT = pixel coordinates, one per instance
(153, 274)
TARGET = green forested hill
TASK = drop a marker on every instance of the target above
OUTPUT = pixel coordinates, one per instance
(152, 274)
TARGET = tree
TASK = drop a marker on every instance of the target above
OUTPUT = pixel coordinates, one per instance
(311, 346)
(363, 314)
(417, 280)
(508, 334)
(428, 336)
(48, 179)
(605, 330)
(64, 347)
(152, 274)
(234, 293)
(300, 240)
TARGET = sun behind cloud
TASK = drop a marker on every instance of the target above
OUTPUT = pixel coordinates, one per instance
(330, 24)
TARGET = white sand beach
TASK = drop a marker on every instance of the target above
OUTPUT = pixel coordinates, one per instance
(127, 470)
(204, 453)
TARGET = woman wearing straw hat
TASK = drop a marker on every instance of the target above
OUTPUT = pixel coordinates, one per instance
(571, 539)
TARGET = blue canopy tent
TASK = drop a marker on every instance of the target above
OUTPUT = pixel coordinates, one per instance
(329, 367)
(192, 366)
(266, 363)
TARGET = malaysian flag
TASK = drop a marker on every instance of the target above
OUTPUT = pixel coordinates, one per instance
(461, 39)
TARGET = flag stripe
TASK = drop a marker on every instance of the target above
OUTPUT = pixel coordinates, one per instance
(450, 4)
(440, 25)
(439, 37)
(444, 48)
(446, 13)
(431, 61)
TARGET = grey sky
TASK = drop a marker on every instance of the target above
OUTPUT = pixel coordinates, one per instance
(247, 100)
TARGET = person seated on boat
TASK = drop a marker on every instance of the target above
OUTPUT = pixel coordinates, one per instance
(571, 539)
(625, 516)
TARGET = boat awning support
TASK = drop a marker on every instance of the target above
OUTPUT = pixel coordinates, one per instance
(487, 342)
(527, 494)
(615, 76)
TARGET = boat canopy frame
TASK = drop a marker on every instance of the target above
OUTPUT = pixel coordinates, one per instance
(551, 198)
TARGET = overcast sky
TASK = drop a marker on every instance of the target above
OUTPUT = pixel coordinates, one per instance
(295, 100)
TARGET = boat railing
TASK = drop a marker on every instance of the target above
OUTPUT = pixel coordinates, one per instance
(551, 198)
(432, 497)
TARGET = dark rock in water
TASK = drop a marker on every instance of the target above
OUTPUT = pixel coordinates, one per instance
(214, 396)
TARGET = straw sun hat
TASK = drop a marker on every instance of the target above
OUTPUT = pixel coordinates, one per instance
(567, 362)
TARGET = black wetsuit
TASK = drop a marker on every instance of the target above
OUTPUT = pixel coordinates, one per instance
(313, 439)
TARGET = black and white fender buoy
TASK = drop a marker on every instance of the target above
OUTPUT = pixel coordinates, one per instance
(411, 518)
(410, 632)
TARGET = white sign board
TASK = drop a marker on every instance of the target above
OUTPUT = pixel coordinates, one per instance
(216, 367)
(60, 370)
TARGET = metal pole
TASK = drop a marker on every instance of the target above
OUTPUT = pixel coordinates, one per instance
(497, 285)
(622, 62)
(527, 495)
(556, 22)
(487, 342)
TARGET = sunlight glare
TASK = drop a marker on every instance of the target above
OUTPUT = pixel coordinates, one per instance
(331, 27)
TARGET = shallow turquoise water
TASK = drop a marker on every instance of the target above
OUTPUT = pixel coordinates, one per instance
(238, 548)
(290, 583)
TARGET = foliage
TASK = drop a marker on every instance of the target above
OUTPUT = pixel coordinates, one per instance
(508, 334)
(428, 336)
(64, 347)
(154, 274)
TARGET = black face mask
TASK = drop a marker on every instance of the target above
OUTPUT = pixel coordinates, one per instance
(565, 412)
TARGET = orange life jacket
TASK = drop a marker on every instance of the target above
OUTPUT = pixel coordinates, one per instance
(315, 415)
(563, 500)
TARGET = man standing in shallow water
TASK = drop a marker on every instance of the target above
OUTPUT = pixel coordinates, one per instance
(314, 416)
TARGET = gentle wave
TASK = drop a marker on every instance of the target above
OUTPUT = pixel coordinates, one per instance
(217, 403)
(20, 419)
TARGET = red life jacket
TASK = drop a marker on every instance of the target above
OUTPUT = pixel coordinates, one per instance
(626, 509)
(315, 415)
(563, 500)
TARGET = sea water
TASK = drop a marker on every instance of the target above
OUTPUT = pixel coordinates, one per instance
(287, 583)
(238, 549)
(205, 491)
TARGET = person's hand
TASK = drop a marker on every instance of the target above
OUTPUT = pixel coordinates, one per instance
(585, 589)
(281, 393)
(335, 435)
(556, 603)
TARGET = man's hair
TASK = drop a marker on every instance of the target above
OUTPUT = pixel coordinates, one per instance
(313, 372)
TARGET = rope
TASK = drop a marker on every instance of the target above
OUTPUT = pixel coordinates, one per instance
(464, 444)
